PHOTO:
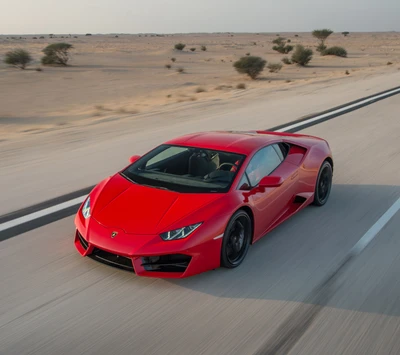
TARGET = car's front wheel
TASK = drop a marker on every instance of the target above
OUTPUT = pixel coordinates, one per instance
(323, 185)
(236, 240)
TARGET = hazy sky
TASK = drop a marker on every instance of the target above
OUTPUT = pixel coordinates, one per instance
(171, 16)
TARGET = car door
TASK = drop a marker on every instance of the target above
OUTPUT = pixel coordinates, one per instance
(269, 203)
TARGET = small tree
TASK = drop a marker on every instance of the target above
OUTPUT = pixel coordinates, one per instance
(346, 33)
(180, 46)
(203, 48)
(337, 51)
(56, 53)
(322, 35)
(193, 49)
(19, 58)
(252, 66)
(301, 55)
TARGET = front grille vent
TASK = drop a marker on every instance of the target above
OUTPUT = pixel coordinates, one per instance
(111, 259)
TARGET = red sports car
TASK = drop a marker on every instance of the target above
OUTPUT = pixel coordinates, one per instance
(197, 202)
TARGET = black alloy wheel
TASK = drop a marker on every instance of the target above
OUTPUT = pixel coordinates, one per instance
(236, 240)
(323, 185)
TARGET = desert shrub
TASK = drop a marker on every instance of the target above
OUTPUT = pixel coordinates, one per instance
(247, 54)
(274, 67)
(296, 35)
(173, 60)
(41, 37)
(286, 60)
(301, 55)
(254, 43)
(193, 49)
(337, 51)
(281, 46)
(389, 63)
(289, 40)
(203, 48)
(56, 53)
(252, 66)
(283, 49)
(88, 34)
(75, 36)
(200, 89)
(321, 48)
(346, 33)
(168, 66)
(279, 41)
(241, 86)
(347, 72)
(38, 69)
(19, 58)
(180, 46)
(180, 70)
(34, 37)
(321, 35)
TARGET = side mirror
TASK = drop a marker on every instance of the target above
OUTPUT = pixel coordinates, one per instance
(133, 158)
(271, 181)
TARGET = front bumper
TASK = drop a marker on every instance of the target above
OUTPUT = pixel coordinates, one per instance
(147, 255)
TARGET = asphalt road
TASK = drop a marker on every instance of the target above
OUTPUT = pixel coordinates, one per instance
(52, 301)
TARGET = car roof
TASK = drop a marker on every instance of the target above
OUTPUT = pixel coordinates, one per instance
(241, 142)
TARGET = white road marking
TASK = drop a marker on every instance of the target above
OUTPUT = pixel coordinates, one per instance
(32, 216)
(339, 110)
(375, 229)
(61, 206)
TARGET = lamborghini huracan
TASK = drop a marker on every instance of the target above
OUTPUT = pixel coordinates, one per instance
(198, 202)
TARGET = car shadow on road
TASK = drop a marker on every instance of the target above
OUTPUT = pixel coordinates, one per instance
(292, 260)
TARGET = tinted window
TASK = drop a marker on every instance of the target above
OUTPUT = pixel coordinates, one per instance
(185, 169)
(264, 162)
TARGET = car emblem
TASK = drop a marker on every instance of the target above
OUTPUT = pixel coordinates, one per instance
(114, 234)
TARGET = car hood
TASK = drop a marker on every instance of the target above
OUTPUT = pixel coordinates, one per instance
(139, 209)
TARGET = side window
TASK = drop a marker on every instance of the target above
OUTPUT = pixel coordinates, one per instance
(264, 162)
(244, 183)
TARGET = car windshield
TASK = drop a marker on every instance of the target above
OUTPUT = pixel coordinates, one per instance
(185, 169)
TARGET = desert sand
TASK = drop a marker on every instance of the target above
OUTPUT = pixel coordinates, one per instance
(110, 77)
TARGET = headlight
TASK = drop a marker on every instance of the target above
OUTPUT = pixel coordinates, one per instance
(86, 208)
(180, 233)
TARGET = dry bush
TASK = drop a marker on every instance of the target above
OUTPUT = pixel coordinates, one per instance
(301, 55)
(19, 58)
(168, 66)
(336, 51)
(251, 65)
(179, 46)
(203, 48)
(56, 53)
(173, 60)
(200, 90)
(180, 70)
(241, 86)
(274, 67)
(193, 49)
(286, 60)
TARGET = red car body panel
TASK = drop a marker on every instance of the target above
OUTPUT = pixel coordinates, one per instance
(139, 214)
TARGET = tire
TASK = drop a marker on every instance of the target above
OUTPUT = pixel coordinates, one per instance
(236, 240)
(323, 185)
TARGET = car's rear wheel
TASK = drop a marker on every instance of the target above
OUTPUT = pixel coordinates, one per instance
(323, 185)
(236, 240)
